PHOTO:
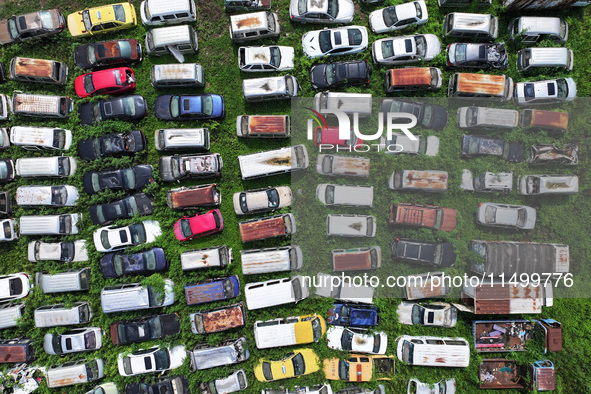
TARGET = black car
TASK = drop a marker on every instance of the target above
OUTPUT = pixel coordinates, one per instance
(479, 145)
(133, 107)
(117, 264)
(173, 385)
(139, 204)
(431, 116)
(333, 75)
(440, 254)
(113, 53)
(482, 56)
(6, 170)
(112, 145)
(145, 328)
(133, 178)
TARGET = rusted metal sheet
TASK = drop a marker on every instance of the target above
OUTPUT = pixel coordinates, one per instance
(33, 67)
(348, 165)
(14, 352)
(553, 331)
(543, 376)
(412, 76)
(550, 119)
(248, 21)
(204, 292)
(481, 84)
(507, 299)
(425, 179)
(223, 319)
(267, 125)
(499, 373)
(352, 261)
(194, 197)
(35, 103)
(422, 216)
(261, 229)
(545, 154)
(417, 289)
(514, 5)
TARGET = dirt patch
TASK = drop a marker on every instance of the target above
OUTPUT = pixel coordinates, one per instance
(211, 8)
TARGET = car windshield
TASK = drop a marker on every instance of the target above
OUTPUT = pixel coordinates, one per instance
(327, 164)
(124, 49)
(13, 31)
(302, 6)
(521, 216)
(105, 239)
(87, 82)
(207, 105)
(345, 311)
(333, 8)
(418, 315)
(273, 198)
(421, 45)
(86, 20)
(128, 178)
(155, 327)
(119, 12)
(562, 88)
(118, 264)
(185, 226)
(329, 194)
(150, 260)
(344, 370)
(275, 60)
(56, 343)
(91, 54)
(138, 233)
(129, 106)
(347, 340)
(407, 352)
(267, 373)
(427, 115)
(390, 17)
(419, 10)
(162, 359)
(471, 116)
(58, 195)
(529, 91)
(330, 73)
(324, 41)
(127, 366)
(460, 52)
(299, 367)
(175, 106)
(316, 329)
(387, 49)
(355, 36)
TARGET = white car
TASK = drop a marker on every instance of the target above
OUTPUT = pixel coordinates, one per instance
(230, 384)
(154, 359)
(398, 17)
(76, 340)
(336, 41)
(447, 386)
(519, 217)
(401, 143)
(265, 59)
(318, 11)
(267, 199)
(545, 92)
(355, 340)
(14, 286)
(57, 251)
(55, 196)
(405, 49)
(434, 314)
(110, 238)
(8, 230)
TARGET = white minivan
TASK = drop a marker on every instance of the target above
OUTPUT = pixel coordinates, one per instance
(282, 258)
(433, 351)
(345, 195)
(275, 292)
(63, 224)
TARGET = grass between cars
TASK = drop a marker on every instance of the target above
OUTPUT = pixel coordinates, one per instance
(564, 220)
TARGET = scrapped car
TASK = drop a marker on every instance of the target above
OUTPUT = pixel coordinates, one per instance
(398, 17)
(220, 319)
(7, 170)
(8, 232)
(14, 286)
(265, 58)
(487, 182)
(57, 251)
(208, 223)
(110, 238)
(167, 385)
(197, 166)
(102, 19)
(139, 204)
(336, 41)
(479, 145)
(394, 51)
(55, 196)
(84, 339)
(112, 145)
(111, 81)
(145, 328)
(441, 254)
(359, 368)
(127, 179)
(115, 265)
(545, 92)
(401, 143)
(267, 199)
(297, 363)
(430, 116)
(362, 390)
(329, 11)
(127, 108)
(340, 74)
(189, 107)
(519, 217)
(230, 384)
(483, 56)
(32, 25)
(353, 315)
(108, 54)
(419, 215)
(330, 137)
(210, 290)
(151, 360)
(532, 185)
(356, 340)
(546, 154)
(447, 386)
(436, 314)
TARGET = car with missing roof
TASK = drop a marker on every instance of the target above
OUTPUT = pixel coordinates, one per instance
(266, 199)
(297, 363)
(336, 41)
(479, 145)
(356, 340)
(321, 11)
(151, 360)
(144, 329)
(435, 314)
(19, 28)
(112, 145)
(126, 108)
(265, 58)
(139, 204)
(84, 339)
(405, 49)
(547, 154)
(518, 217)
(165, 385)
(95, 55)
(398, 17)
(110, 238)
(340, 74)
(102, 19)
(115, 265)
(430, 116)
(551, 91)
(208, 223)
(482, 56)
(440, 254)
(189, 107)
(112, 81)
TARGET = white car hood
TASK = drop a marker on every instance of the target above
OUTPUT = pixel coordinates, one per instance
(376, 21)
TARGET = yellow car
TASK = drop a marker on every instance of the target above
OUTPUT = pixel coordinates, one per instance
(299, 362)
(103, 19)
(359, 368)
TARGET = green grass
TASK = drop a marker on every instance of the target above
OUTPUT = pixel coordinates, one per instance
(563, 220)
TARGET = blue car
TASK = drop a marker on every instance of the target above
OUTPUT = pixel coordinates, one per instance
(115, 265)
(210, 290)
(189, 107)
(353, 315)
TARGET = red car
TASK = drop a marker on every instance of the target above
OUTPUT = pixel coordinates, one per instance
(111, 81)
(330, 136)
(198, 225)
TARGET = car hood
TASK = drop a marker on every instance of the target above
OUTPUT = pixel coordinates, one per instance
(317, 76)
(86, 149)
(346, 11)
(4, 35)
(106, 263)
(448, 255)
(143, 176)
(311, 45)
(135, 140)
(433, 46)
(75, 23)
(162, 107)
(177, 356)
(333, 337)
(287, 58)
(81, 56)
(85, 113)
(165, 168)
(439, 117)
(376, 22)
(153, 230)
(170, 324)
(404, 312)
(218, 106)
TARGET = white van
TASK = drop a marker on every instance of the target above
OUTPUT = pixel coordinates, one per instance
(424, 181)
(532, 29)
(345, 195)
(55, 196)
(134, 296)
(164, 12)
(75, 372)
(188, 75)
(10, 313)
(295, 330)
(215, 256)
(433, 351)
(41, 105)
(37, 138)
(58, 315)
(533, 185)
(349, 103)
(165, 40)
(273, 162)
(54, 166)
(177, 139)
(339, 165)
(64, 224)
(532, 58)
(477, 118)
(275, 292)
(70, 280)
(270, 88)
(254, 26)
(283, 258)
(465, 25)
(351, 225)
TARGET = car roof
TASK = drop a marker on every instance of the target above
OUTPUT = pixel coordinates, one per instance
(201, 223)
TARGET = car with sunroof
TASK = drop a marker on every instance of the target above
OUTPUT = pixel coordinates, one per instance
(405, 49)
(551, 91)
(336, 41)
(328, 11)
(23, 27)
(124, 108)
(96, 55)
(189, 107)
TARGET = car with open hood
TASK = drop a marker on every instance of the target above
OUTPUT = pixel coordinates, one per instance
(96, 55)
(125, 108)
(482, 56)
(112, 145)
(110, 238)
(19, 28)
(118, 264)
(127, 179)
(140, 204)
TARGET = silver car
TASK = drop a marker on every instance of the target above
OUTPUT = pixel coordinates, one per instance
(322, 11)
(76, 340)
(519, 217)
(545, 92)
(405, 49)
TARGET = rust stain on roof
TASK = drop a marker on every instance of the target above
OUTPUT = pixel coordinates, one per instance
(482, 84)
(410, 76)
(267, 124)
(550, 119)
(279, 161)
(251, 21)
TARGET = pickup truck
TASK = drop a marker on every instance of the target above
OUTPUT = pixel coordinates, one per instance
(428, 216)
(179, 167)
(228, 352)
